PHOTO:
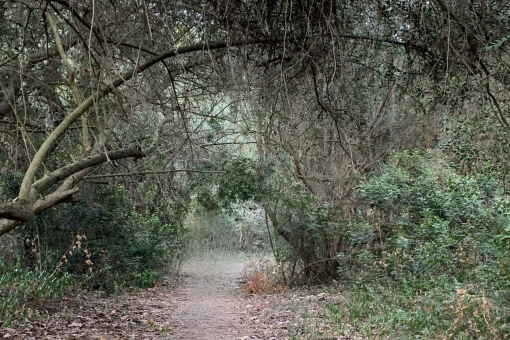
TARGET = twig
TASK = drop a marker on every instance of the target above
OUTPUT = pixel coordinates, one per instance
(152, 173)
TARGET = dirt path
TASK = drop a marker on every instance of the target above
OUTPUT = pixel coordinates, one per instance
(216, 307)
(211, 310)
(206, 302)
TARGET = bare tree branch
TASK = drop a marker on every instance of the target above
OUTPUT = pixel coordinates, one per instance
(33, 59)
(154, 173)
(60, 130)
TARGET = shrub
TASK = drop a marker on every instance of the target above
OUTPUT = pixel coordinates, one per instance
(434, 219)
(18, 285)
(104, 243)
(258, 283)
(428, 256)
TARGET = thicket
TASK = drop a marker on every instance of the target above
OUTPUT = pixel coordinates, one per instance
(424, 256)
(103, 242)
(428, 253)
(302, 231)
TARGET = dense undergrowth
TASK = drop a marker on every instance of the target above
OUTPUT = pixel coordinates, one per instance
(104, 242)
(426, 255)
(429, 254)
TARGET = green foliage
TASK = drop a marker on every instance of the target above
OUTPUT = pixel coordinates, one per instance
(497, 44)
(473, 142)
(105, 243)
(401, 311)
(18, 285)
(436, 220)
(306, 230)
(145, 279)
(243, 179)
(429, 256)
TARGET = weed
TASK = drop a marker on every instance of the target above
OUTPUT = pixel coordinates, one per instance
(473, 315)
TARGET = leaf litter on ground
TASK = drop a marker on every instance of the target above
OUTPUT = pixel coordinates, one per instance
(202, 303)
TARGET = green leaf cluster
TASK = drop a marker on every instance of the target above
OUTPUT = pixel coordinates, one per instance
(429, 252)
(19, 284)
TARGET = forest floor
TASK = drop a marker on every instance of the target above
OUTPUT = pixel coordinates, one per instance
(207, 301)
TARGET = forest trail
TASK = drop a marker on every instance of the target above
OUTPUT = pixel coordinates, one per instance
(216, 307)
(206, 302)
(211, 309)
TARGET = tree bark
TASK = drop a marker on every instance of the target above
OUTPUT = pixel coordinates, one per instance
(47, 202)
(13, 211)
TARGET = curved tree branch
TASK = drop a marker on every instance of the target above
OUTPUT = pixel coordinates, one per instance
(60, 130)
(15, 213)
(44, 203)
(60, 174)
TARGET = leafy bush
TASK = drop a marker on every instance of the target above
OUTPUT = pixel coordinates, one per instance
(18, 285)
(105, 243)
(429, 254)
(434, 219)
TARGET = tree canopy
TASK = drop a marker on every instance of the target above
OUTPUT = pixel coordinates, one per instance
(331, 86)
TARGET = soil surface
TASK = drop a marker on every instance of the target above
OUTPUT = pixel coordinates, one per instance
(209, 310)
(207, 301)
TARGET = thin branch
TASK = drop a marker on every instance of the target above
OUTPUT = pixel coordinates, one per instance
(61, 129)
(154, 173)
(72, 82)
(31, 60)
